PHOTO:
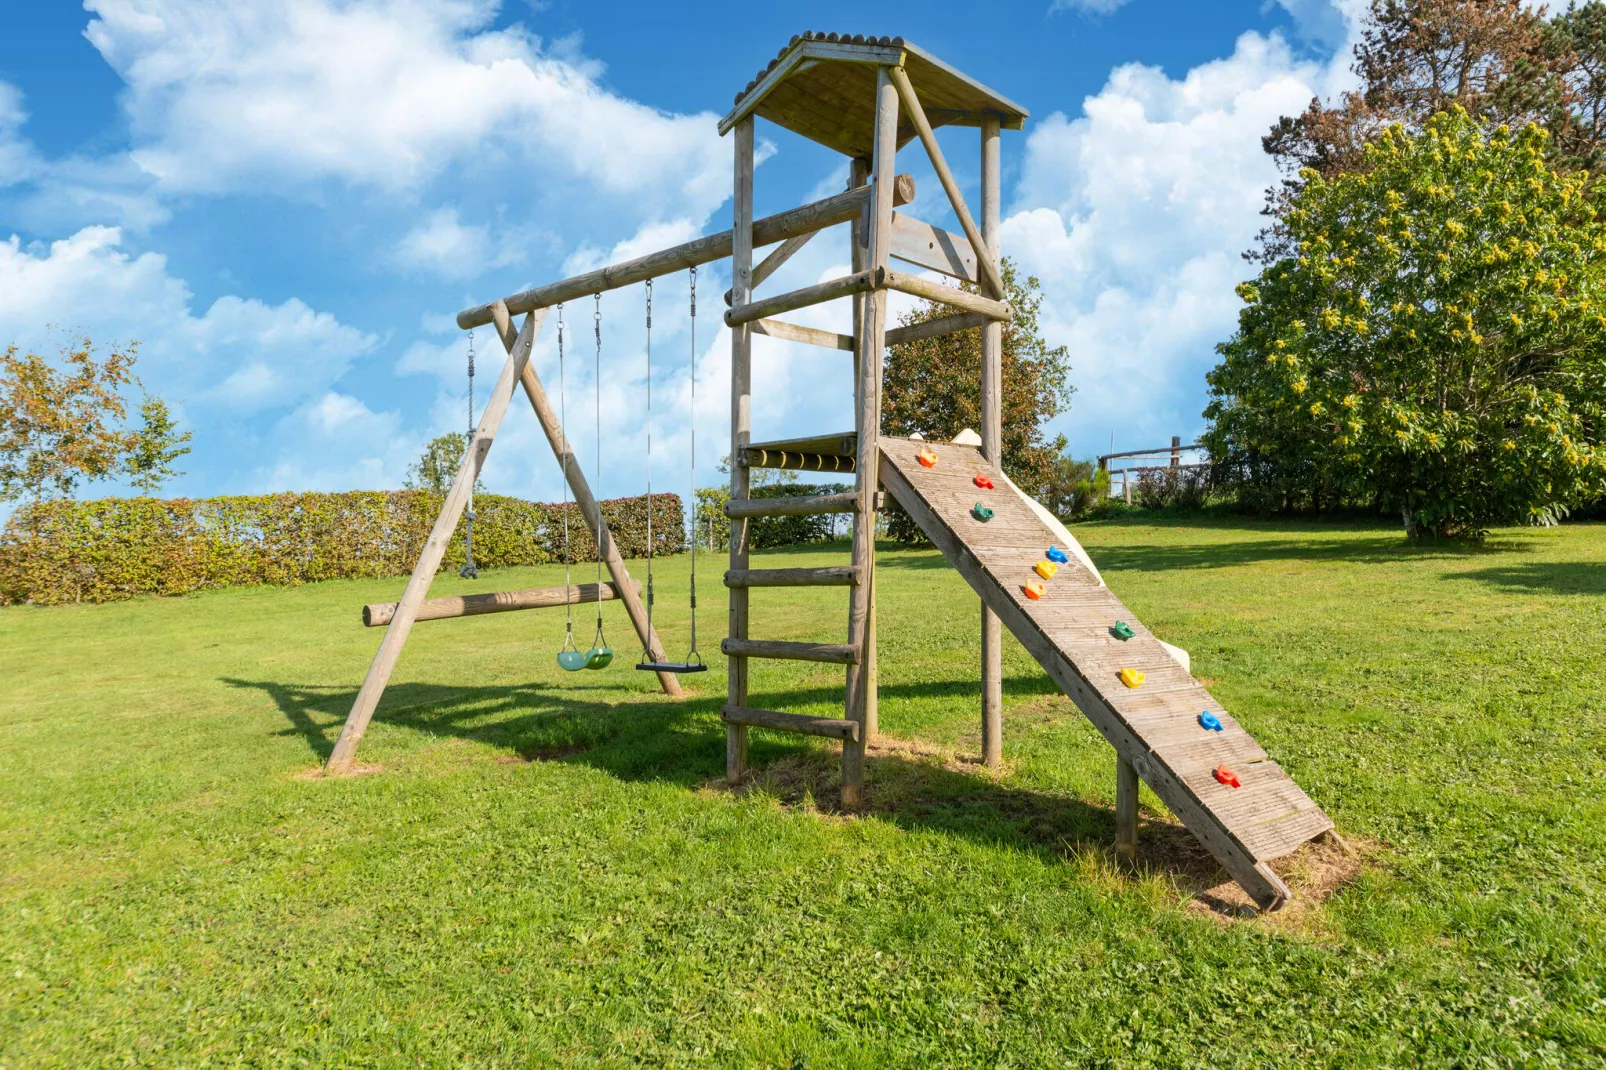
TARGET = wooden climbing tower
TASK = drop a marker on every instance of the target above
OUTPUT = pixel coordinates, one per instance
(866, 98)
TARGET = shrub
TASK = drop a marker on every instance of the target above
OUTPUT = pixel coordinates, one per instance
(1173, 487)
(1077, 488)
(96, 551)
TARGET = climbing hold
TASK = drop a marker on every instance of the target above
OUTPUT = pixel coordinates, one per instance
(1228, 777)
(1132, 677)
(1046, 569)
(981, 512)
(983, 482)
(1123, 631)
(1210, 721)
(1033, 589)
(926, 457)
(1054, 553)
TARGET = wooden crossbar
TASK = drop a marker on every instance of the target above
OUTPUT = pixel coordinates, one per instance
(827, 653)
(378, 614)
(811, 505)
(830, 576)
(831, 727)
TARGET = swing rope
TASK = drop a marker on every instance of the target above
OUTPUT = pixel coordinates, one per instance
(646, 642)
(599, 655)
(469, 571)
(693, 475)
(568, 647)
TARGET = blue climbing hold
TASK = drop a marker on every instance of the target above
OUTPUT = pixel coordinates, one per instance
(1056, 555)
(1210, 721)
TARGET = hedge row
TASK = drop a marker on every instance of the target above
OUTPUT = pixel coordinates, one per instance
(97, 551)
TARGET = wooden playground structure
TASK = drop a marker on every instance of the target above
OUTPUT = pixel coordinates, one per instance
(866, 98)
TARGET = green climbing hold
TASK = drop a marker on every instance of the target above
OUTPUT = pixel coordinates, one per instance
(1123, 631)
(981, 512)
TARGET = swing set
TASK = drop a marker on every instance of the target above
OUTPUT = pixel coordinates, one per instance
(865, 97)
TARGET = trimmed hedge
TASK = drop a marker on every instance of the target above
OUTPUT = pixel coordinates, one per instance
(98, 551)
(769, 531)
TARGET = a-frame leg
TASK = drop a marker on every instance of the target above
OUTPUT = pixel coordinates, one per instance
(440, 536)
(586, 501)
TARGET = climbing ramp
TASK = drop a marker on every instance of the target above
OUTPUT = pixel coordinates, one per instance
(1155, 727)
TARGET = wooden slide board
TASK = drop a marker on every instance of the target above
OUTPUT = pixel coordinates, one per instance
(1154, 726)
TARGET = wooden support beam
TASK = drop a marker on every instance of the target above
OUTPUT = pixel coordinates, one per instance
(993, 281)
(742, 230)
(473, 605)
(992, 379)
(797, 462)
(831, 727)
(831, 576)
(932, 247)
(796, 332)
(839, 208)
(809, 506)
(808, 295)
(828, 653)
(778, 256)
(962, 321)
(1126, 810)
(429, 560)
(590, 512)
(948, 295)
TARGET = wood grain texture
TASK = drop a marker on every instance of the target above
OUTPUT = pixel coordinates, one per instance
(828, 576)
(782, 650)
(809, 506)
(801, 298)
(796, 332)
(947, 295)
(962, 321)
(741, 429)
(832, 727)
(377, 614)
(932, 247)
(992, 358)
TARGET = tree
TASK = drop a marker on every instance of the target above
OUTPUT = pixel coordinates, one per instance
(59, 427)
(933, 387)
(154, 447)
(1433, 344)
(437, 466)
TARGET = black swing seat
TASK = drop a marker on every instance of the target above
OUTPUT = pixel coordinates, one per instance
(672, 666)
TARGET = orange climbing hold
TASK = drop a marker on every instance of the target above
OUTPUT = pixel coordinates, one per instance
(1133, 678)
(926, 457)
(984, 482)
(1227, 777)
(1046, 569)
(1033, 589)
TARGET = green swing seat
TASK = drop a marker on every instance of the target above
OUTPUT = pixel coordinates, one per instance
(572, 660)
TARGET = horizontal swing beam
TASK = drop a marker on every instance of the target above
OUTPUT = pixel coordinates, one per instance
(796, 222)
(473, 605)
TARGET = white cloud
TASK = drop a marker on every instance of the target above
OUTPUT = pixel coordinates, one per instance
(336, 442)
(442, 245)
(240, 352)
(17, 159)
(1088, 7)
(1134, 215)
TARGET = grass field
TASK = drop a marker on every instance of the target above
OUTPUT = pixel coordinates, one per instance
(546, 871)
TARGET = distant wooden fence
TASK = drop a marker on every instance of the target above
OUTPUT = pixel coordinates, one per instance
(1172, 452)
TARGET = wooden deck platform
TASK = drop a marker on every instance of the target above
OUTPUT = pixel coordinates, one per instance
(1154, 726)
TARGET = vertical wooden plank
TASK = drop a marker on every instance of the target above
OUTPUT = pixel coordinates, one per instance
(741, 432)
(867, 422)
(429, 561)
(590, 511)
(858, 175)
(1126, 810)
(992, 391)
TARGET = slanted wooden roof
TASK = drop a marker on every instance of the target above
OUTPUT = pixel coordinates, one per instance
(822, 86)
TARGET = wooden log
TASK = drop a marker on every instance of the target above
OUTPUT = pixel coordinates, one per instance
(741, 433)
(778, 256)
(832, 727)
(828, 653)
(808, 295)
(796, 332)
(993, 282)
(831, 576)
(992, 378)
(962, 321)
(809, 506)
(1126, 810)
(590, 512)
(797, 462)
(932, 247)
(859, 248)
(429, 560)
(948, 295)
(473, 605)
(838, 208)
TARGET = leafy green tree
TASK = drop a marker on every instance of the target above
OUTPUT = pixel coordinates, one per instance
(154, 446)
(437, 465)
(60, 425)
(1433, 344)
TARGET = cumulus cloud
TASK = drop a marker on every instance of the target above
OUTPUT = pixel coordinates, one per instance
(17, 159)
(1088, 7)
(1134, 214)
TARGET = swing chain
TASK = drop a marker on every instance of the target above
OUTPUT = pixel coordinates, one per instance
(693, 652)
(646, 643)
(469, 571)
(563, 405)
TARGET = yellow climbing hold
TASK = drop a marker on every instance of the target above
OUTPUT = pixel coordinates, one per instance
(1132, 678)
(1046, 569)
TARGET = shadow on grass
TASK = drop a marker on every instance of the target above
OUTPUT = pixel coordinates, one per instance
(1368, 549)
(1568, 577)
(916, 786)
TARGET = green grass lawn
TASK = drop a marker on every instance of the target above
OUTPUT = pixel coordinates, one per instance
(546, 870)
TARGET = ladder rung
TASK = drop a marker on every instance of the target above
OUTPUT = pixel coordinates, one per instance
(834, 727)
(834, 576)
(818, 503)
(831, 653)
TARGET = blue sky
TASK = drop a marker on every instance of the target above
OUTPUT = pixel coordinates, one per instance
(285, 202)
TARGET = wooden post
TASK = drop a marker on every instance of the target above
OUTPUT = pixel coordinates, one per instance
(590, 511)
(872, 343)
(992, 381)
(741, 433)
(859, 257)
(1176, 450)
(1126, 810)
(429, 561)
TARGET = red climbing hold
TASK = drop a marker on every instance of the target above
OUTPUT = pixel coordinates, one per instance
(1228, 777)
(984, 482)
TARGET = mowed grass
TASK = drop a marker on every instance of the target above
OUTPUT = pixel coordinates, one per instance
(546, 871)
